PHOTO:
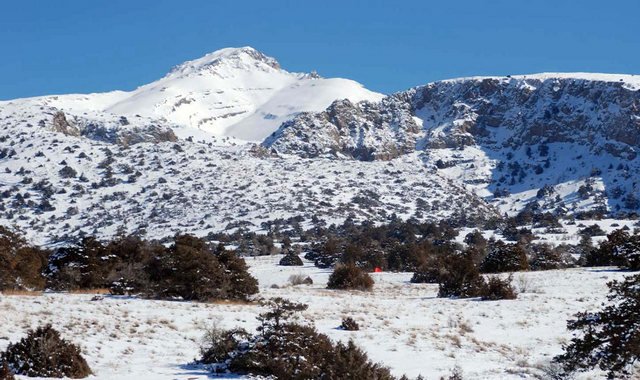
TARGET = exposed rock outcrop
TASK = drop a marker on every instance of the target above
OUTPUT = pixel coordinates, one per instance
(598, 112)
(116, 131)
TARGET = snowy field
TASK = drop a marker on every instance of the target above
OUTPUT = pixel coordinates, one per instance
(403, 325)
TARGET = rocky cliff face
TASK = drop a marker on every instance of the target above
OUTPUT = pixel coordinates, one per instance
(366, 131)
(116, 130)
(504, 138)
(599, 111)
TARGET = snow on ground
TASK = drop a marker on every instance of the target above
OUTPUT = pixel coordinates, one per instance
(163, 188)
(631, 81)
(402, 325)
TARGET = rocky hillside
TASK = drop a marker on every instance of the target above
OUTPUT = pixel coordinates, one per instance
(175, 154)
(503, 137)
(55, 186)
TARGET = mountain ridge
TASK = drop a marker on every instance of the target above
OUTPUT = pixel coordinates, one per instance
(464, 150)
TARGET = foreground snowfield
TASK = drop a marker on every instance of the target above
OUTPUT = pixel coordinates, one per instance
(402, 325)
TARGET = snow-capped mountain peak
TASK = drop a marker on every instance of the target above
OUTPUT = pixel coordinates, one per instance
(244, 58)
(232, 92)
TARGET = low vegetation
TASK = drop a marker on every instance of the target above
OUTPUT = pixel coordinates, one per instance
(349, 277)
(291, 259)
(189, 268)
(286, 349)
(21, 264)
(43, 353)
(349, 324)
(608, 339)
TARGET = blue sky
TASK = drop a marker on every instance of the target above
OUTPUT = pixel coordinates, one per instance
(54, 47)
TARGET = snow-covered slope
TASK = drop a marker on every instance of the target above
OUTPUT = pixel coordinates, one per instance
(467, 149)
(235, 92)
(578, 134)
(55, 186)
(402, 325)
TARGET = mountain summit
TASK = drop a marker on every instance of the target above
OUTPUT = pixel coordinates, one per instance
(235, 92)
(246, 58)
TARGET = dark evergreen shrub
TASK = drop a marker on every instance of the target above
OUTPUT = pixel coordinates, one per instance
(433, 270)
(349, 324)
(218, 344)
(426, 275)
(461, 279)
(21, 265)
(503, 257)
(190, 270)
(291, 259)
(284, 349)
(608, 339)
(83, 265)
(349, 277)
(43, 353)
(475, 239)
(290, 352)
(593, 230)
(498, 289)
(620, 249)
(67, 172)
(349, 362)
(127, 274)
(545, 257)
(241, 284)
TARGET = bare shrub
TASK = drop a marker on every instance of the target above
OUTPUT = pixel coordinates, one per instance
(498, 289)
(349, 324)
(300, 279)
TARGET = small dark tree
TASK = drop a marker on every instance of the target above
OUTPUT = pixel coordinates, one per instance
(284, 349)
(133, 254)
(350, 362)
(504, 258)
(291, 259)
(21, 265)
(610, 338)
(218, 344)
(242, 283)
(189, 269)
(545, 257)
(67, 172)
(432, 271)
(43, 353)
(83, 265)
(349, 277)
(461, 278)
(280, 311)
(620, 249)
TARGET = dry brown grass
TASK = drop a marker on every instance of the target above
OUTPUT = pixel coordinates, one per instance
(28, 293)
(231, 302)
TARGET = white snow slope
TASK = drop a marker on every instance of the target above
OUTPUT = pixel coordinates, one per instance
(404, 326)
(235, 92)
